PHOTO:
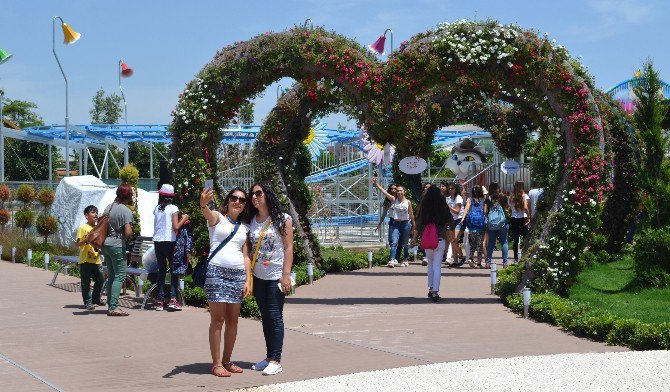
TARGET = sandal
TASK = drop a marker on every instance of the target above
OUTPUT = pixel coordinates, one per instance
(221, 373)
(117, 312)
(231, 367)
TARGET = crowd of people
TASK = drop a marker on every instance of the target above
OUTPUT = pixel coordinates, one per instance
(251, 253)
(479, 218)
(251, 250)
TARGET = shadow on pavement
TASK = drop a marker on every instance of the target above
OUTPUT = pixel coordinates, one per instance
(389, 273)
(388, 301)
(203, 368)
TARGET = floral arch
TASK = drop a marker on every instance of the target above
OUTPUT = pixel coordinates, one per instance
(455, 70)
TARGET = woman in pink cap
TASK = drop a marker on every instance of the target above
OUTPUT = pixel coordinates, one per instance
(166, 224)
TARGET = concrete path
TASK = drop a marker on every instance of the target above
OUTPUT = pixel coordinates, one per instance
(346, 323)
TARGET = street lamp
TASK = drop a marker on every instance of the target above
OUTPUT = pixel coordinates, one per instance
(378, 45)
(126, 72)
(4, 56)
(69, 37)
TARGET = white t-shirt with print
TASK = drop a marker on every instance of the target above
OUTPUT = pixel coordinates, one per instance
(453, 203)
(230, 256)
(400, 210)
(515, 213)
(270, 262)
(163, 230)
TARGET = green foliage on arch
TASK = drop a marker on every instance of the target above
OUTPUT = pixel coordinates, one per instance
(463, 70)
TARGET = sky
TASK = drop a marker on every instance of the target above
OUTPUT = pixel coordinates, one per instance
(167, 42)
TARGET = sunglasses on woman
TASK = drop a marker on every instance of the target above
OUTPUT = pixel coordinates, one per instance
(257, 193)
(234, 199)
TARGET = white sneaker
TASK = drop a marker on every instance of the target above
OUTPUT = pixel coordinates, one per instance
(392, 264)
(260, 365)
(404, 264)
(271, 369)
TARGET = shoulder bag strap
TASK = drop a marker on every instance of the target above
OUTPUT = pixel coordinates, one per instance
(258, 244)
(223, 243)
(258, 248)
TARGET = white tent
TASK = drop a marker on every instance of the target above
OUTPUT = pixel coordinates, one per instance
(73, 194)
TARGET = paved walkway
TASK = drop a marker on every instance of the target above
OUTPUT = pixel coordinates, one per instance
(359, 321)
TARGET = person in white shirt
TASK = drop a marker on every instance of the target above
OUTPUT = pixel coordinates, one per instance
(403, 222)
(518, 203)
(534, 194)
(455, 204)
(166, 224)
(228, 278)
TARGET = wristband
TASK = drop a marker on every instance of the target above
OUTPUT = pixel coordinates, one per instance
(203, 207)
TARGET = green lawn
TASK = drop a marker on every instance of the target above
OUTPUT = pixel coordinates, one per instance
(606, 286)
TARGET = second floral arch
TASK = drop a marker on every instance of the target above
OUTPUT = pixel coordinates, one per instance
(502, 77)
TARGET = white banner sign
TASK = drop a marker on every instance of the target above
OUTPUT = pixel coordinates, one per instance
(510, 167)
(412, 165)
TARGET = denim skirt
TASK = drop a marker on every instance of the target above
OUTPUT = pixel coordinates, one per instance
(224, 284)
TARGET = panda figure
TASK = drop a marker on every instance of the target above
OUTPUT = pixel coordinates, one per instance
(463, 156)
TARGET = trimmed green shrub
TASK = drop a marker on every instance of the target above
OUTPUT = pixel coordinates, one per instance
(622, 331)
(46, 197)
(24, 219)
(508, 280)
(26, 194)
(46, 225)
(652, 257)
(598, 242)
(250, 308)
(594, 323)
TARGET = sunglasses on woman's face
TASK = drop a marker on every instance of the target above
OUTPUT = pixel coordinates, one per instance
(257, 193)
(234, 199)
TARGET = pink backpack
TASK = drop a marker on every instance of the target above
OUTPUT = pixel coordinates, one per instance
(429, 238)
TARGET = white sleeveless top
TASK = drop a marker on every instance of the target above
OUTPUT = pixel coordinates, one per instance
(230, 256)
(400, 210)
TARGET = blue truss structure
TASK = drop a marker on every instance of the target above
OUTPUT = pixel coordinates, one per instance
(121, 134)
(628, 85)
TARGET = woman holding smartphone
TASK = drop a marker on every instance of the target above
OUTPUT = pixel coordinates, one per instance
(228, 278)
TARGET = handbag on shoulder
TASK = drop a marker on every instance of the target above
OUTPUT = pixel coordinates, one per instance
(96, 237)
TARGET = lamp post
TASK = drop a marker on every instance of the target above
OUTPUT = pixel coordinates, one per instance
(4, 56)
(69, 36)
(126, 72)
(308, 21)
(378, 45)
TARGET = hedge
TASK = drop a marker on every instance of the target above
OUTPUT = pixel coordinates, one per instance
(596, 324)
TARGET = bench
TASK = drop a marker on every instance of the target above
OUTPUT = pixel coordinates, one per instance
(66, 261)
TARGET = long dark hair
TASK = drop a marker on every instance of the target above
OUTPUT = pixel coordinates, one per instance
(274, 207)
(517, 195)
(164, 201)
(433, 208)
(244, 215)
(387, 202)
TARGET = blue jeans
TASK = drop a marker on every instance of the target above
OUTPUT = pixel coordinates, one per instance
(270, 302)
(500, 234)
(399, 237)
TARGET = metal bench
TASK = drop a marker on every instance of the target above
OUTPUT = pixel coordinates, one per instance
(66, 261)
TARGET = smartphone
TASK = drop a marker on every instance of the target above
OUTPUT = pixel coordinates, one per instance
(209, 183)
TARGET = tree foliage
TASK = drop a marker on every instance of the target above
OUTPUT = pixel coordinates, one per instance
(106, 108)
(650, 112)
(25, 160)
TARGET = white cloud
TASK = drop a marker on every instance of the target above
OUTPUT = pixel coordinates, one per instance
(613, 17)
(630, 11)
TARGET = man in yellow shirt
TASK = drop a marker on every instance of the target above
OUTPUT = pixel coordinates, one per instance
(89, 262)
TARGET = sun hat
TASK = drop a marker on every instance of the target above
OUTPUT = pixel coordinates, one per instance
(166, 190)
